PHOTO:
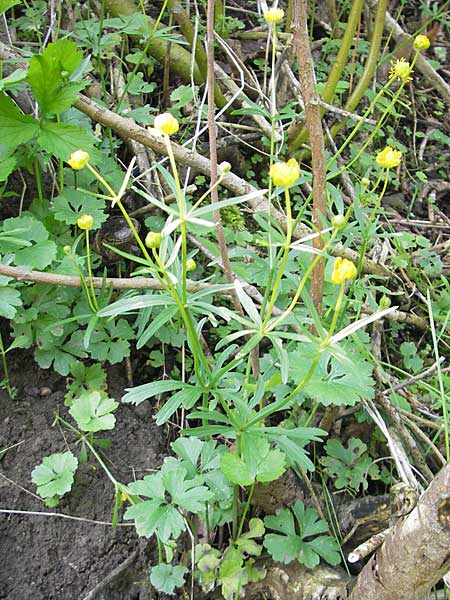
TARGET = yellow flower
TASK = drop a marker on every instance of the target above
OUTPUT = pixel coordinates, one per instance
(153, 239)
(273, 15)
(285, 173)
(85, 222)
(389, 158)
(191, 265)
(166, 123)
(421, 42)
(401, 69)
(343, 270)
(78, 159)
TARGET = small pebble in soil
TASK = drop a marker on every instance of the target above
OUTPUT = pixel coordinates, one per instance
(45, 391)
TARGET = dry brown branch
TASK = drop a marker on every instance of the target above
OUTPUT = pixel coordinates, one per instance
(117, 283)
(314, 126)
(415, 554)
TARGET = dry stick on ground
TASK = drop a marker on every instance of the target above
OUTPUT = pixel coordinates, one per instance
(314, 126)
(415, 555)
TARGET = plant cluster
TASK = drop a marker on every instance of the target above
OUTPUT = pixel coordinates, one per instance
(245, 375)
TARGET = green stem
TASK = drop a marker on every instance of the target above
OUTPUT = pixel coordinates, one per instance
(5, 367)
(301, 285)
(89, 266)
(256, 420)
(365, 241)
(181, 201)
(37, 173)
(286, 246)
(245, 511)
(337, 310)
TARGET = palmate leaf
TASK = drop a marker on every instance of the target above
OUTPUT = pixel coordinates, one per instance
(30, 244)
(61, 139)
(348, 467)
(10, 299)
(165, 578)
(288, 545)
(54, 476)
(168, 491)
(342, 377)
(259, 462)
(93, 412)
(71, 204)
(48, 76)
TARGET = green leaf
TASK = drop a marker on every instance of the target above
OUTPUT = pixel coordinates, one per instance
(168, 491)
(16, 128)
(165, 578)
(342, 377)
(288, 545)
(37, 251)
(38, 256)
(235, 470)
(153, 516)
(54, 476)
(53, 91)
(7, 166)
(186, 397)
(185, 493)
(264, 464)
(71, 204)
(232, 576)
(140, 393)
(93, 412)
(348, 467)
(9, 299)
(13, 79)
(7, 4)
(60, 139)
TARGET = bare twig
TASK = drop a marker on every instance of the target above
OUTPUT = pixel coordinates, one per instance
(314, 125)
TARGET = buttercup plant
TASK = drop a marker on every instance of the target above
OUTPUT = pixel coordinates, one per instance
(240, 427)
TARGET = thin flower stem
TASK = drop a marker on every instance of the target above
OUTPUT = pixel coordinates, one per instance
(245, 511)
(286, 246)
(5, 367)
(89, 266)
(182, 210)
(371, 219)
(302, 284)
(337, 310)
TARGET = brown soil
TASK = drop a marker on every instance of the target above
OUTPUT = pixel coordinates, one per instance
(49, 558)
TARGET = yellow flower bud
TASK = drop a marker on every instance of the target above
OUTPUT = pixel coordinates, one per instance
(285, 173)
(401, 69)
(67, 250)
(273, 15)
(389, 158)
(225, 167)
(365, 181)
(343, 270)
(421, 42)
(190, 264)
(153, 239)
(338, 221)
(78, 159)
(85, 222)
(166, 123)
